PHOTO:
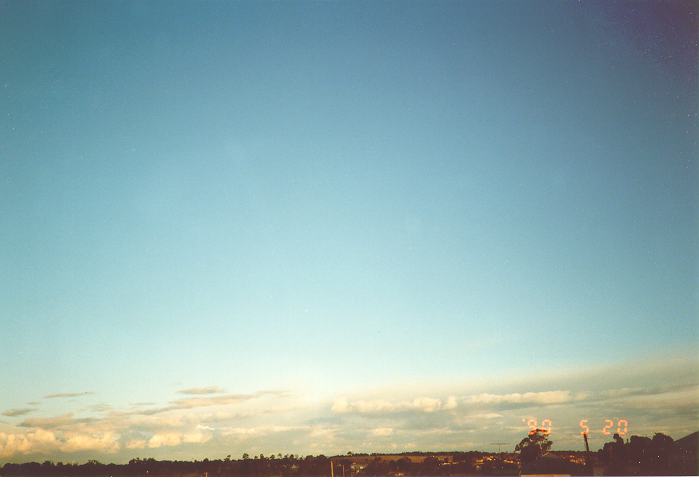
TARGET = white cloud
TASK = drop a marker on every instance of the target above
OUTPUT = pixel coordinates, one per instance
(22, 443)
(201, 390)
(164, 439)
(17, 412)
(50, 422)
(365, 406)
(425, 417)
(67, 394)
(241, 432)
(340, 406)
(382, 431)
(487, 416)
(103, 442)
(451, 403)
(196, 436)
(136, 444)
(382, 406)
(427, 404)
(322, 432)
(545, 397)
(45, 441)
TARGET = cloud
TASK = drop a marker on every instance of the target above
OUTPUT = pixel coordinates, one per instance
(540, 398)
(323, 432)
(136, 444)
(426, 404)
(21, 443)
(50, 422)
(164, 439)
(196, 436)
(17, 412)
(672, 397)
(382, 432)
(67, 394)
(103, 442)
(342, 406)
(201, 390)
(100, 408)
(241, 432)
(225, 399)
(488, 416)
(182, 422)
(208, 401)
(451, 416)
(41, 441)
(381, 406)
(451, 403)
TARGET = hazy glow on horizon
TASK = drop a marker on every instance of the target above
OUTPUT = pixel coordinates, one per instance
(318, 227)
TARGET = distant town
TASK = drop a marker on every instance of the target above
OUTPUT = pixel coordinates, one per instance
(659, 455)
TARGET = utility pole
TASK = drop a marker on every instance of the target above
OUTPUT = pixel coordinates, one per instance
(499, 444)
(588, 456)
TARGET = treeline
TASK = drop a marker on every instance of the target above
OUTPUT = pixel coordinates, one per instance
(288, 465)
(442, 464)
(640, 455)
(459, 464)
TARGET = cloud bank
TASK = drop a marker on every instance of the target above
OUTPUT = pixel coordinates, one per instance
(67, 394)
(17, 412)
(201, 390)
(207, 422)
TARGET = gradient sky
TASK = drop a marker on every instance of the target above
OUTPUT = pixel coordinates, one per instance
(323, 200)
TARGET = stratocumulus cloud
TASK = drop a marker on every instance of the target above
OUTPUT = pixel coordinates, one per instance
(379, 406)
(201, 390)
(49, 422)
(546, 397)
(280, 421)
(58, 395)
(17, 412)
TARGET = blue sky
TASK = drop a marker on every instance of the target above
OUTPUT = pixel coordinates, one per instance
(324, 199)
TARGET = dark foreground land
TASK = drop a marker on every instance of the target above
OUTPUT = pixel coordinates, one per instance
(637, 456)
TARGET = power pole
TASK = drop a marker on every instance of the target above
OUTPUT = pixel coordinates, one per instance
(499, 444)
(588, 455)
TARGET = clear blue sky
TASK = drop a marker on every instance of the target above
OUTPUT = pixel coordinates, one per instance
(321, 196)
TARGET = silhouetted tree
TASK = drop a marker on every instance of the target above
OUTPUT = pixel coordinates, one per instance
(534, 446)
(614, 455)
(661, 448)
(639, 453)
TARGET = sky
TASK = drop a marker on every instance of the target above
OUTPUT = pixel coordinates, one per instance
(314, 227)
